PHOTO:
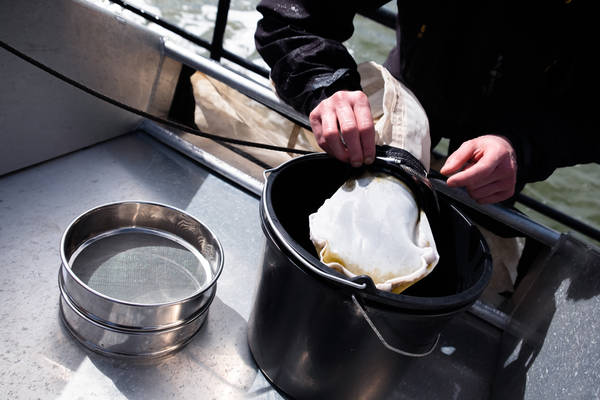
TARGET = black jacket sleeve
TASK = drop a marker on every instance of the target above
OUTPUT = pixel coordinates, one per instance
(547, 141)
(302, 43)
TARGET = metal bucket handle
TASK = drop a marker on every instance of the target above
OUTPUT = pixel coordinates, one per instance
(384, 342)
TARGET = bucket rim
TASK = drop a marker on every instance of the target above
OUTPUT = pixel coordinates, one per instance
(363, 285)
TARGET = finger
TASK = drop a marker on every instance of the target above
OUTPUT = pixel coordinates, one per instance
(501, 177)
(349, 132)
(366, 129)
(330, 137)
(456, 160)
(316, 127)
(475, 176)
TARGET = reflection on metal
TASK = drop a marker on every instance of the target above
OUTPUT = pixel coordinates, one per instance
(491, 315)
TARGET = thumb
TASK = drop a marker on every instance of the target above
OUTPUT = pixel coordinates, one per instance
(456, 160)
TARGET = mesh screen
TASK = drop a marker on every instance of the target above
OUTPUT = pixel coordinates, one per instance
(141, 267)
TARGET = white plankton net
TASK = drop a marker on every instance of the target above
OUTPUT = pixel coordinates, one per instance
(372, 226)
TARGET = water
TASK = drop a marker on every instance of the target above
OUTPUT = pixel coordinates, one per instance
(574, 190)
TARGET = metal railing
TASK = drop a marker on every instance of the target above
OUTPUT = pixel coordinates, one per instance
(215, 46)
(384, 17)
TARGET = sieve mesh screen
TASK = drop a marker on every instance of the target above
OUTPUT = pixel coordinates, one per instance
(141, 267)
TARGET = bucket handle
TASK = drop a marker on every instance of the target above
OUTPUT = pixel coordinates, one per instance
(384, 342)
(270, 170)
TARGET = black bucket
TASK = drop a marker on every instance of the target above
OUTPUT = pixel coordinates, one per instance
(316, 333)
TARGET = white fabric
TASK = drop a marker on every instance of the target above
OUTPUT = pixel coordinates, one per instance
(224, 111)
(400, 120)
(372, 226)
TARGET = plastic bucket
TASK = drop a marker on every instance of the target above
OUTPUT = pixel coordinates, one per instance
(318, 334)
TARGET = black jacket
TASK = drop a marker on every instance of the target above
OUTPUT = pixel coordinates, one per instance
(520, 69)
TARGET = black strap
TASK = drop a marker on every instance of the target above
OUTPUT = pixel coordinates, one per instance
(401, 156)
(144, 114)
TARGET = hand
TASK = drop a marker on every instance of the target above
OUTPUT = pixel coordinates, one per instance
(489, 168)
(350, 112)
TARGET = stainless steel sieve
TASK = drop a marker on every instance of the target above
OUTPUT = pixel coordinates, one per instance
(137, 278)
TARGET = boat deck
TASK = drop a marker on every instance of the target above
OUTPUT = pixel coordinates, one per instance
(40, 360)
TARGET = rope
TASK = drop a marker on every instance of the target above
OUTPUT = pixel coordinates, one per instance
(144, 114)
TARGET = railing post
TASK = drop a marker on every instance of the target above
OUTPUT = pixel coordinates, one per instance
(216, 48)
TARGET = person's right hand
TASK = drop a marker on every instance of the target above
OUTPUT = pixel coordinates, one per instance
(350, 112)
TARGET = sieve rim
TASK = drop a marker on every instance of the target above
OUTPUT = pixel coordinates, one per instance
(148, 344)
(65, 265)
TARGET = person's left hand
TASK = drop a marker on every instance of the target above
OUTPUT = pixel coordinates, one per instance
(488, 168)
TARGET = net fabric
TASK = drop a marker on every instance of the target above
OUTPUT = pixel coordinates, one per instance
(373, 226)
(400, 120)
